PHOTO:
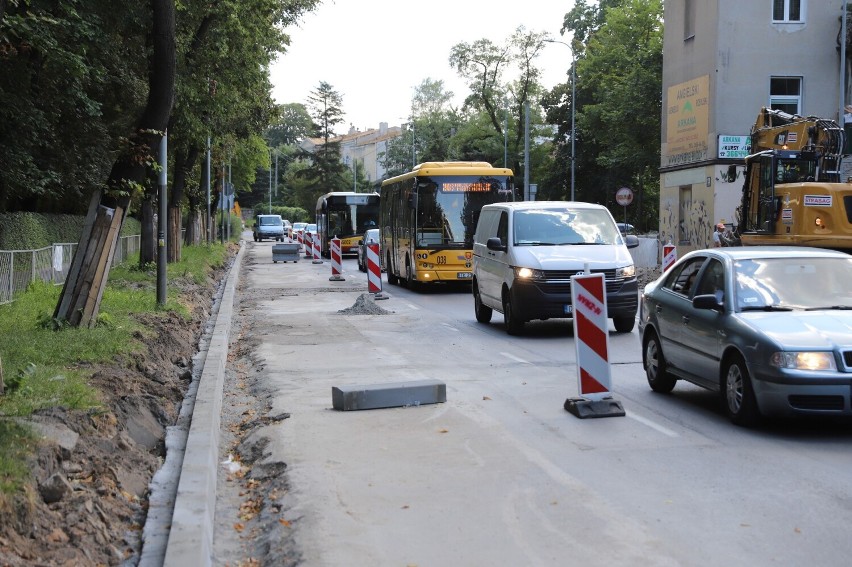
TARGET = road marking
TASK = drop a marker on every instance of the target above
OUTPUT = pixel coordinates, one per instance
(515, 358)
(652, 425)
(450, 327)
(412, 306)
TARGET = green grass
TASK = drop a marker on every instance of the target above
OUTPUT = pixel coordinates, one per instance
(46, 364)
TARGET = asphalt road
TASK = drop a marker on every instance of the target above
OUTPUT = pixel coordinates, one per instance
(501, 474)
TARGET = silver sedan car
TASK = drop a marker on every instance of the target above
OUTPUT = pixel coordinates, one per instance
(768, 327)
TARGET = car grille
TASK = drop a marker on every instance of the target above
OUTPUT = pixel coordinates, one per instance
(559, 281)
(847, 358)
(816, 402)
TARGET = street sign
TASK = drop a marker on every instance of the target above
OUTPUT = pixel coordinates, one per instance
(624, 196)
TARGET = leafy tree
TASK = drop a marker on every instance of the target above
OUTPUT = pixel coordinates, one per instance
(484, 65)
(87, 276)
(293, 123)
(619, 65)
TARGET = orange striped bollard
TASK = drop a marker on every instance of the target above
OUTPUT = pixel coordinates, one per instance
(374, 272)
(316, 240)
(336, 267)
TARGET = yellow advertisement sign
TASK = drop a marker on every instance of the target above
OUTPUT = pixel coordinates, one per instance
(687, 121)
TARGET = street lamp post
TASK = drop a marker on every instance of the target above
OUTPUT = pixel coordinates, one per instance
(573, 100)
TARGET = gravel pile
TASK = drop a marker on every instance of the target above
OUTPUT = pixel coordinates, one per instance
(364, 305)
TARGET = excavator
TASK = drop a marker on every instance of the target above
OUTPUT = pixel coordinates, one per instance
(793, 193)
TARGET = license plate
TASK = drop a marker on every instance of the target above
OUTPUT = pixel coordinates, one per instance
(464, 275)
(569, 309)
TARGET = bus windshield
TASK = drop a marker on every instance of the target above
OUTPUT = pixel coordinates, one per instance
(448, 207)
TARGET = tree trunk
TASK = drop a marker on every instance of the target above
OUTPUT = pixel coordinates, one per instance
(81, 295)
(148, 240)
(183, 164)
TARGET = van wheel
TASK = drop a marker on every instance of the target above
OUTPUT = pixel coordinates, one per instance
(513, 324)
(623, 324)
(483, 312)
(392, 277)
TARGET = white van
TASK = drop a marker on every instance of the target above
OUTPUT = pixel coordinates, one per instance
(525, 253)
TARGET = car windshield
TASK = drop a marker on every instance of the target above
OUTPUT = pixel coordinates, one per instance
(793, 283)
(270, 221)
(557, 227)
(311, 228)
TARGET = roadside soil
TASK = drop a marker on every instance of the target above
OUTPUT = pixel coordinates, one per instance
(91, 473)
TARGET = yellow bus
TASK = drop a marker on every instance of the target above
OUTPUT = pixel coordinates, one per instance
(428, 217)
(345, 215)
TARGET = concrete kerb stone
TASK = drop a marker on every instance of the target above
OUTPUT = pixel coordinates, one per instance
(191, 536)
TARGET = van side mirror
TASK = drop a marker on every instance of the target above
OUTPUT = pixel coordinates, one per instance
(631, 241)
(495, 244)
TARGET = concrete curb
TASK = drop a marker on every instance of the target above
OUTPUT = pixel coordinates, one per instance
(191, 536)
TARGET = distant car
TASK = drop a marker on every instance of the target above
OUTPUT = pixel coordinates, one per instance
(268, 226)
(765, 327)
(625, 228)
(370, 237)
(296, 229)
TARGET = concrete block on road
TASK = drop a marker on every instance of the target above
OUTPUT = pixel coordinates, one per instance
(391, 395)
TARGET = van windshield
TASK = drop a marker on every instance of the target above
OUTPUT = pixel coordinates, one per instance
(270, 221)
(558, 227)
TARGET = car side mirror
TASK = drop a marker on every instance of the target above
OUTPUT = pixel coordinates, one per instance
(631, 241)
(707, 301)
(495, 244)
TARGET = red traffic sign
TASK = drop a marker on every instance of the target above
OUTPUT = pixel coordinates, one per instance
(624, 196)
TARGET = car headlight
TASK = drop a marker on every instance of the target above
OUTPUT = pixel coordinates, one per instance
(626, 271)
(528, 274)
(803, 360)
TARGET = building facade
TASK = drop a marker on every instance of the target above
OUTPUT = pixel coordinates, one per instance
(722, 61)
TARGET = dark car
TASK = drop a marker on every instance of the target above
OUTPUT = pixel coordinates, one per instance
(370, 237)
(767, 327)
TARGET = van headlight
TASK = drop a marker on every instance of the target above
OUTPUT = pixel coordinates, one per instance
(625, 272)
(528, 274)
(803, 360)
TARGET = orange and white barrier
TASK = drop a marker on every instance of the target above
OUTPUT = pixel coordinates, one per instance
(316, 247)
(591, 343)
(669, 255)
(307, 242)
(336, 266)
(374, 272)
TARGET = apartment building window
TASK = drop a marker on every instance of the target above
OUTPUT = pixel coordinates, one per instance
(785, 94)
(787, 11)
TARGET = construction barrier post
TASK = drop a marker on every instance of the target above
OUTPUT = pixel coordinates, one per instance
(374, 272)
(591, 340)
(316, 246)
(336, 267)
(669, 255)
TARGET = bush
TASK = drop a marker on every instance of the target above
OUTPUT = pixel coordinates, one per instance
(29, 231)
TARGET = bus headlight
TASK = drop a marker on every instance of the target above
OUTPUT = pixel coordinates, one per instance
(803, 360)
(528, 274)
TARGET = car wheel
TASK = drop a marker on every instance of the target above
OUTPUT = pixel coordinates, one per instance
(738, 394)
(655, 365)
(392, 277)
(623, 324)
(514, 325)
(483, 312)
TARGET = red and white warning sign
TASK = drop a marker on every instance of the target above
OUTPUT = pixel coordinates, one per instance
(591, 335)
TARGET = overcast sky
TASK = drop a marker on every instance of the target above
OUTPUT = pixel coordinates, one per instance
(375, 52)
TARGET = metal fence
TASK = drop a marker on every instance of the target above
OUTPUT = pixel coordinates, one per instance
(19, 268)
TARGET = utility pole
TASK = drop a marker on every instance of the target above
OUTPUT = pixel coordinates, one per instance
(207, 224)
(526, 151)
(162, 220)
